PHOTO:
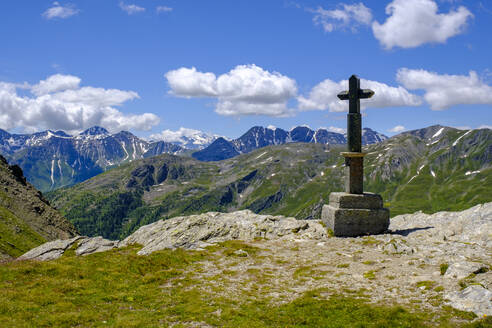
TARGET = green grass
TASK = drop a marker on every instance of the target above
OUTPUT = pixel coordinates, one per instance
(16, 237)
(121, 289)
(443, 268)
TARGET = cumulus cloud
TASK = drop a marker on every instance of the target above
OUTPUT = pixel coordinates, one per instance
(59, 11)
(397, 129)
(163, 9)
(60, 103)
(444, 91)
(54, 83)
(188, 82)
(324, 96)
(245, 90)
(343, 17)
(412, 23)
(131, 9)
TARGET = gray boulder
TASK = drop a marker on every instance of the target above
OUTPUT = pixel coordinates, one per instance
(95, 245)
(50, 250)
(474, 298)
(461, 270)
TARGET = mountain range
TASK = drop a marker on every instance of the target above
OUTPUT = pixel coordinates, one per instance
(258, 137)
(432, 169)
(53, 159)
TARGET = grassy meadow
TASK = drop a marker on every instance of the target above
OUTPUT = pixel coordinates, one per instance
(122, 289)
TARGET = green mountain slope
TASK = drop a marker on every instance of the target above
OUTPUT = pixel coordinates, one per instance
(432, 169)
(26, 218)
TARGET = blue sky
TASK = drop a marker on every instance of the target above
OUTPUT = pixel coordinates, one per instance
(223, 66)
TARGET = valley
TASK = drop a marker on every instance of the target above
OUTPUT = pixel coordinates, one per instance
(432, 169)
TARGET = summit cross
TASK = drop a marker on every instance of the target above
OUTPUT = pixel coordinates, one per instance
(355, 212)
(354, 158)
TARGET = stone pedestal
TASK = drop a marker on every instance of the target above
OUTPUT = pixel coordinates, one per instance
(350, 215)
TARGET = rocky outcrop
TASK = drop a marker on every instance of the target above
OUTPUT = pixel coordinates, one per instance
(198, 231)
(50, 250)
(190, 232)
(82, 245)
(94, 245)
(421, 258)
(473, 225)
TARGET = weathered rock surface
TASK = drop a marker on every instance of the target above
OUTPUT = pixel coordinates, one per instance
(403, 265)
(50, 250)
(95, 245)
(474, 298)
(198, 231)
(461, 270)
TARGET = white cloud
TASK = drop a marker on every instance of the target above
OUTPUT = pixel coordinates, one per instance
(416, 22)
(324, 96)
(336, 129)
(54, 83)
(188, 82)
(131, 9)
(59, 103)
(485, 127)
(175, 136)
(59, 11)
(163, 9)
(397, 129)
(444, 91)
(245, 90)
(345, 16)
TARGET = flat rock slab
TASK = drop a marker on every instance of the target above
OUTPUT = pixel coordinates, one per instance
(474, 299)
(95, 245)
(461, 270)
(50, 250)
(198, 231)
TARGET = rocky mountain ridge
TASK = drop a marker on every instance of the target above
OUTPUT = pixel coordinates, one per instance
(26, 217)
(52, 159)
(418, 254)
(258, 137)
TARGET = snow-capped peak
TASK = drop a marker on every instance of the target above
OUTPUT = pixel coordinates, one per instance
(185, 137)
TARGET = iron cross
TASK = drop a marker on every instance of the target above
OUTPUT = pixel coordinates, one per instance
(354, 158)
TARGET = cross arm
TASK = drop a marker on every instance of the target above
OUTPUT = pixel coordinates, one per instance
(365, 93)
(344, 95)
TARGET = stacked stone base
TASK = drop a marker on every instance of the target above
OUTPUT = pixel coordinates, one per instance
(351, 215)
